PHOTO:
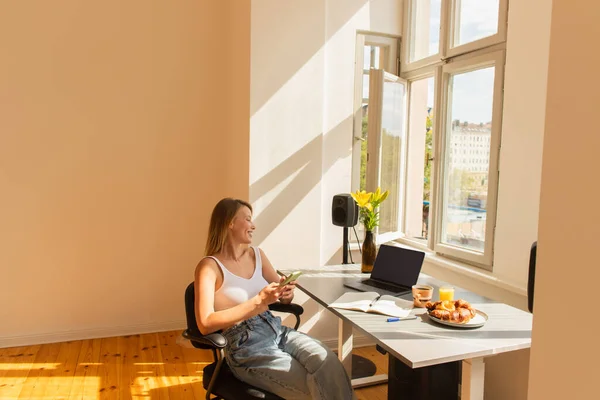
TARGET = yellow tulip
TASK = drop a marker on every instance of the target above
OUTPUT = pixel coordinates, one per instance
(361, 198)
(368, 202)
(384, 195)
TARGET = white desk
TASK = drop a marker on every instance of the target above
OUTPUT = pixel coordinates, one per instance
(421, 342)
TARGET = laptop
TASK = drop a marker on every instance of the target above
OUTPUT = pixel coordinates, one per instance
(395, 271)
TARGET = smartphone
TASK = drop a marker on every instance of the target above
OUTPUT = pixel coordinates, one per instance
(291, 277)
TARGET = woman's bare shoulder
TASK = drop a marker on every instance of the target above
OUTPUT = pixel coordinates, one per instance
(207, 263)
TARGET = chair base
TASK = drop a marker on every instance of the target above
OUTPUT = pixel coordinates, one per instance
(229, 387)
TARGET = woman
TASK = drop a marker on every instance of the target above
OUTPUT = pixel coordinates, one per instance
(235, 283)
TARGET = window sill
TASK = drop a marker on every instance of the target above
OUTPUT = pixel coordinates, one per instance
(463, 269)
(474, 273)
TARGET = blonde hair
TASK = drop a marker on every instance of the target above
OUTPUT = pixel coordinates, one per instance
(221, 217)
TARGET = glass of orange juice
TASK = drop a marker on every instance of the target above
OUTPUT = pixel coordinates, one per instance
(446, 293)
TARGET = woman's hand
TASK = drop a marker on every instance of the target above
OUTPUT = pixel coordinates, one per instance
(270, 293)
(287, 294)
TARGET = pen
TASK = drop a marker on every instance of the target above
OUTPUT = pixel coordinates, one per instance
(400, 319)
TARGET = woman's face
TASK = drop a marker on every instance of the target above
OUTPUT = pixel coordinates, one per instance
(241, 228)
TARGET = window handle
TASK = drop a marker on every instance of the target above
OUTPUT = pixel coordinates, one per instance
(359, 138)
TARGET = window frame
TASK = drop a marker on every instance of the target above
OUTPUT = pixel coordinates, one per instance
(405, 63)
(435, 72)
(447, 31)
(465, 64)
(363, 38)
(474, 55)
(374, 147)
(498, 37)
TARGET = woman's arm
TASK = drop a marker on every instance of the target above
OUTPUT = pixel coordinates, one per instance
(207, 318)
(271, 275)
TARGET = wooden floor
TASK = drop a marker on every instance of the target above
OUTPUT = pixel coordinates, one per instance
(149, 366)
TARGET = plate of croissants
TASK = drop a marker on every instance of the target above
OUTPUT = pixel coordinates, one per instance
(457, 313)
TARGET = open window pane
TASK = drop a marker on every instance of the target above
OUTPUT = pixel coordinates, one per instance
(392, 145)
(373, 53)
(387, 145)
(474, 20)
(425, 17)
(420, 159)
(467, 159)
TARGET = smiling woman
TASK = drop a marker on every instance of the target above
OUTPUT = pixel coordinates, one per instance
(234, 285)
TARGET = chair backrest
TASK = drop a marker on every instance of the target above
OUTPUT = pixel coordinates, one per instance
(190, 315)
(531, 276)
(190, 312)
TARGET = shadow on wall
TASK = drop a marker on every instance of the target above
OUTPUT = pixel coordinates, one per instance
(286, 34)
(310, 160)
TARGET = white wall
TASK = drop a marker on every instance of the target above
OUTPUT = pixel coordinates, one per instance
(302, 90)
(564, 357)
(344, 19)
(301, 119)
(286, 122)
(112, 121)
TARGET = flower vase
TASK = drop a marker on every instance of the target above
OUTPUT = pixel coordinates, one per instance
(369, 253)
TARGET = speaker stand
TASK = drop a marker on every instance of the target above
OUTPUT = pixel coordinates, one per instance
(345, 247)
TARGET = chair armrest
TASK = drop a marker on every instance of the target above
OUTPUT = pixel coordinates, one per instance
(212, 339)
(291, 308)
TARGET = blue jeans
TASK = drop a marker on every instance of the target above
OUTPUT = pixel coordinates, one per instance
(285, 362)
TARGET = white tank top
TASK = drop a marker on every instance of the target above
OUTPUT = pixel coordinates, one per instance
(235, 289)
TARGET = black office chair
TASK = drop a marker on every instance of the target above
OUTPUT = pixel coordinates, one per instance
(217, 378)
(531, 276)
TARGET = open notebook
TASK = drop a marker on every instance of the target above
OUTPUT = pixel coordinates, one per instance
(372, 302)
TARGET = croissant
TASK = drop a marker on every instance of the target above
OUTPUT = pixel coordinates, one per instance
(464, 316)
(444, 315)
(460, 303)
(441, 305)
(459, 311)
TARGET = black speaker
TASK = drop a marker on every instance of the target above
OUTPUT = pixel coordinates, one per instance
(344, 210)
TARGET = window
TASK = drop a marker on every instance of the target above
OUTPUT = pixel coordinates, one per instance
(425, 18)
(435, 137)
(373, 53)
(387, 149)
(420, 153)
(472, 93)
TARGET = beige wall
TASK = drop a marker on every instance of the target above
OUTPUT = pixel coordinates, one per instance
(525, 80)
(564, 356)
(117, 129)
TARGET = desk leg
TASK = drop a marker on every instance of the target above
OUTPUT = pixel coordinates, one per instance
(345, 355)
(473, 373)
(345, 345)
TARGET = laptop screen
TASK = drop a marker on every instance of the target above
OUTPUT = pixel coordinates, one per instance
(398, 265)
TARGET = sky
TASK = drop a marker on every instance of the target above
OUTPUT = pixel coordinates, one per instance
(471, 95)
